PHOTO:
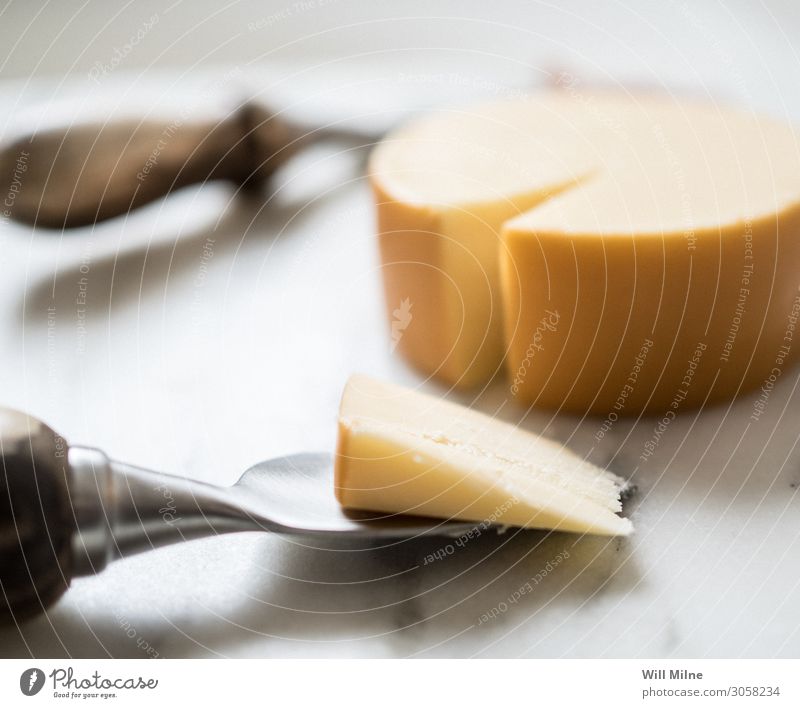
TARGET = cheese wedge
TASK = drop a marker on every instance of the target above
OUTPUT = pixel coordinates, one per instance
(400, 451)
(568, 234)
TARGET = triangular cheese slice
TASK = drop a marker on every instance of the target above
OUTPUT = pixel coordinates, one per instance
(401, 451)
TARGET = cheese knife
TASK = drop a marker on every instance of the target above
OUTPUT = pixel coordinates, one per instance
(80, 172)
(68, 511)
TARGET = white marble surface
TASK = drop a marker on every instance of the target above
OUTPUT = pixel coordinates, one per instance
(203, 364)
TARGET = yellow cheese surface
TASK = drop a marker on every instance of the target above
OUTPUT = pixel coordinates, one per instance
(400, 451)
(611, 250)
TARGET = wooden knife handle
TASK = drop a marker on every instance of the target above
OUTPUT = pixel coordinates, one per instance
(36, 524)
(79, 174)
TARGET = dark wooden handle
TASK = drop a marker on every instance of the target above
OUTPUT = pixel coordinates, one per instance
(35, 517)
(79, 174)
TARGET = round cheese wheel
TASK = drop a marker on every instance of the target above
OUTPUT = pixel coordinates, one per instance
(611, 253)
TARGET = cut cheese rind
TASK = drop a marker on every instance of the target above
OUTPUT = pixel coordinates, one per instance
(644, 224)
(401, 451)
(444, 187)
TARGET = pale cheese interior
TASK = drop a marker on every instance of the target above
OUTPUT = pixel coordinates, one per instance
(401, 451)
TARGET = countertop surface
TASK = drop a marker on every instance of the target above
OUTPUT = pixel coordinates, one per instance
(209, 331)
